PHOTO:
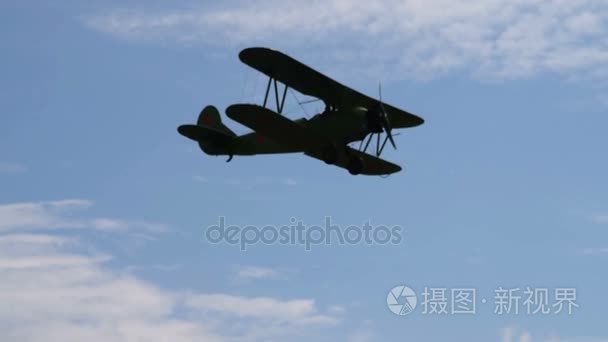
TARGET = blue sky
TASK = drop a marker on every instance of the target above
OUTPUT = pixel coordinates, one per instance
(103, 206)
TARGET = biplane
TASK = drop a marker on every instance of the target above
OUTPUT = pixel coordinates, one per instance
(348, 117)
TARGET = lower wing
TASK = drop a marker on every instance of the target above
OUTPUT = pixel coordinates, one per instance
(297, 136)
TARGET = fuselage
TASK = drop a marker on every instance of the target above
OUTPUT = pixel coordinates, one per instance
(341, 126)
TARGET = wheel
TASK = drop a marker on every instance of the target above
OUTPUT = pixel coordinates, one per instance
(355, 165)
(330, 155)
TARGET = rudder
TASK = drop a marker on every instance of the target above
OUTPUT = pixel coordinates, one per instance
(210, 118)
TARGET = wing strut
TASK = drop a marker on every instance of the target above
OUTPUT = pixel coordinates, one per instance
(379, 147)
(280, 102)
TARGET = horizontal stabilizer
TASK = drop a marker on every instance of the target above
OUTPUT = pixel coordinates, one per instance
(200, 133)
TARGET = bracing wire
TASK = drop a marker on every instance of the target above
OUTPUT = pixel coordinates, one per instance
(299, 103)
(245, 84)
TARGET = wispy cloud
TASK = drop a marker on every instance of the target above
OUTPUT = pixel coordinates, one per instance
(402, 38)
(595, 251)
(32, 239)
(51, 214)
(50, 261)
(257, 272)
(9, 167)
(42, 277)
(600, 218)
(362, 335)
(62, 214)
(48, 272)
(294, 312)
(247, 183)
(473, 260)
(157, 267)
(85, 300)
(200, 179)
(514, 334)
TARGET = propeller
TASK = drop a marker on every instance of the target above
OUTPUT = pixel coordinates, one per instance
(386, 125)
(378, 122)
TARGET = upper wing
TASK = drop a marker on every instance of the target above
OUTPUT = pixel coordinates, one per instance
(297, 136)
(312, 83)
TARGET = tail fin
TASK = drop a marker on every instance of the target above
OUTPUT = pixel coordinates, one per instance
(210, 118)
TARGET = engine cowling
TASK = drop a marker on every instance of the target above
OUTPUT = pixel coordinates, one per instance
(330, 155)
(374, 118)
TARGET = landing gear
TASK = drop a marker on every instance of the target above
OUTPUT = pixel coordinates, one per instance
(330, 155)
(355, 165)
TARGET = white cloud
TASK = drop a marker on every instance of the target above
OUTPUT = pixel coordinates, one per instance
(395, 38)
(54, 290)
(32, 239)
(58, 295)
(60, 214)
(39, 214)
(117, 225)
(49, 261)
